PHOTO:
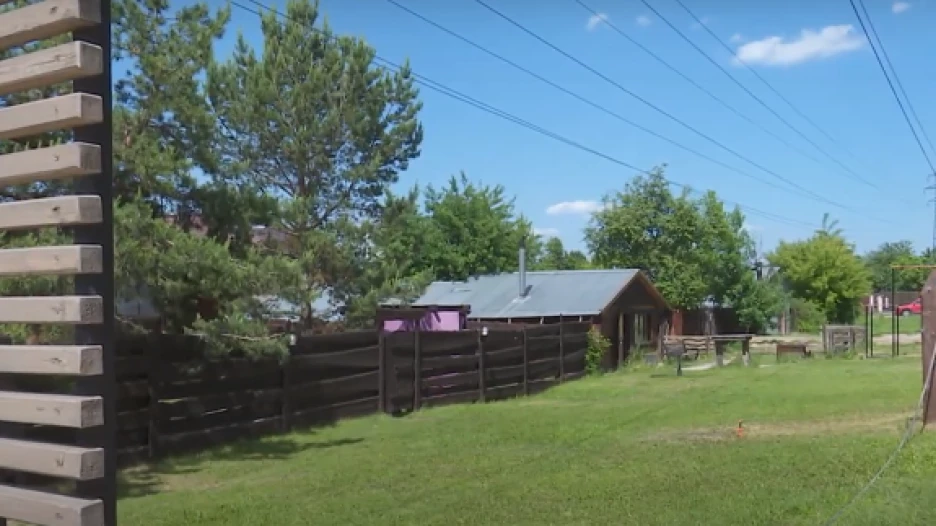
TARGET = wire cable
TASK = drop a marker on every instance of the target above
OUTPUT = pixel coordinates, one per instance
(589, 102)
(466, 99)
(666, 114)
(896, 81)
(764, 81)
(849, 172)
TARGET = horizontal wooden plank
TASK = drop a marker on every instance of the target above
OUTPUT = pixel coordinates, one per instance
(340, 341)
(69, 210)
(334, 389)
(50, 164)
(77, 360)
(47, 115)
(195, 407)
(51, 409)
(47, 67)
(332, 413)
(71, 310)
(54, 460)
(47, 19)
(460, 397)
(51, 261)
(48, 509)
(363, 357)
(469, 379)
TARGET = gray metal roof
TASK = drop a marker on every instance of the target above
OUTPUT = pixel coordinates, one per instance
(551, 293)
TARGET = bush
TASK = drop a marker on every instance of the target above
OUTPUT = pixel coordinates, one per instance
(808, 316)
(598, 347)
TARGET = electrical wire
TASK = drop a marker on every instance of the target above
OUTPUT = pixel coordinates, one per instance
(466, 99)
(668, 115)
(764, 81)
(585, 100)
(849, 172)
(896, 80)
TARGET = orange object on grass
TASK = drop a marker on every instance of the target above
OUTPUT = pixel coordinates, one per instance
(740, 430)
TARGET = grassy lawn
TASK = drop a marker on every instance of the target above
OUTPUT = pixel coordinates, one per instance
(639, 447)
(908, 324)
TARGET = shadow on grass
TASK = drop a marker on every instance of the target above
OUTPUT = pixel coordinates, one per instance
(149, 479)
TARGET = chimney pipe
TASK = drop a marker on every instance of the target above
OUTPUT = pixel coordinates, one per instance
(522, 267)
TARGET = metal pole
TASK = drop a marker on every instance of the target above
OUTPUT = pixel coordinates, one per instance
(893, 311)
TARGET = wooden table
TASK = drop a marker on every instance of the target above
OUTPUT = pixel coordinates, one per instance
(722, 340)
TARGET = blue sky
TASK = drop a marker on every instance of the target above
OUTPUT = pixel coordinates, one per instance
(813, 53)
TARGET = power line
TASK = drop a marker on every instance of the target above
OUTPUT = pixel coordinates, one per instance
(851, 173)
(584, 99)
(466, 99)
(896, 76)
(759, 77)
(663, 112)
(891, 85)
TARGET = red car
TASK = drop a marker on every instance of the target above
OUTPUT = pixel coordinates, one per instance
(914, 307)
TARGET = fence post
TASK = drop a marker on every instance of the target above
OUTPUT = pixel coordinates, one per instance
(482, 371)
(526, 364)
(929, 340)
(153, 386)
(417, 368)
(561, 350)
(286, 405)
(381, 372)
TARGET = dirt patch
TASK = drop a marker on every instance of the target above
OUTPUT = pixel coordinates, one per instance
(772, 430)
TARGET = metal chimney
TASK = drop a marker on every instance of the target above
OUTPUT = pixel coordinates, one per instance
(522, 267)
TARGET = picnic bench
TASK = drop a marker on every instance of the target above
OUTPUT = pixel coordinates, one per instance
(693, 346)
(792, 348)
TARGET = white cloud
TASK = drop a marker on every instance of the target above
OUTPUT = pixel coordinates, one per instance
(643, 20)
(900, 7)
(596, 20)
(546, 232)
(574, 208)
(736, 38)
(810, 45)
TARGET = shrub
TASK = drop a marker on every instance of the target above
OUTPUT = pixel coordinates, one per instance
(598, 346)
(809, 317)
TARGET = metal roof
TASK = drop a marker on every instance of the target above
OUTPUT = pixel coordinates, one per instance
(551, 293)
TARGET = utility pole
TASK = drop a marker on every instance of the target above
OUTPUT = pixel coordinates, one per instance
(933, 201)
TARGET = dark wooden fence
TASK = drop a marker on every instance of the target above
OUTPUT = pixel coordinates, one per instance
(172, 398)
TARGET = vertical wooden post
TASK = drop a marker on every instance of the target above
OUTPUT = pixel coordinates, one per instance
(620, 331)
(382, 371)
(286, 402)
(561, 350)
(154, 376)
(417, 368)
(482, 369)
(526, 363)
(928, 297)
(825, 339)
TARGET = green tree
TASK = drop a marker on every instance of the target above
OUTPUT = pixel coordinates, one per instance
(555, 257)
(880, 260)
(313, 121)
(825, 271)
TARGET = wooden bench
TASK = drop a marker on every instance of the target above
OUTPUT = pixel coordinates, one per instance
(793, 348)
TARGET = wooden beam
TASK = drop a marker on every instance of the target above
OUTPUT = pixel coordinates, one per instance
(68, 310)
(49, 164)
(74, 360)
(46, 20)
(55, 65)
(54, 460)
(51, 261)
(48, 509)
(52, 410)
(57, 113)
(51, 211)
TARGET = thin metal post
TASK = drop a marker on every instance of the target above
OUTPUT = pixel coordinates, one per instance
(893, 311)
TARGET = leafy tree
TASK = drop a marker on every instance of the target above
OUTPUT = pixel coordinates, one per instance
(312, 121)
(825, 271)
(556, 257)
(879, 263)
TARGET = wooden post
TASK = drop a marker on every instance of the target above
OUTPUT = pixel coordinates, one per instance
(286, 403)
(382, 371)
(620, 349)
(482, 370)
(417, 369)
(526, 363)
(825, 339)
(928, 297)
(561, 350)
(154, 383)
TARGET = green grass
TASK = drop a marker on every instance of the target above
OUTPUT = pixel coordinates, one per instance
(908, 324)
(637, 447)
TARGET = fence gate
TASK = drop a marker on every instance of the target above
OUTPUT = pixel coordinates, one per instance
(56, 78)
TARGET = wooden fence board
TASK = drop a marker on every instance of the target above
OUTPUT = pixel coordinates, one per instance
(52, 163)
(77, 360)
(48, 115)
(69, 210)
(72, 310)
(46, 20)
(53, 410)
(469, 379)
(36, 507)
(71, 61)
(51, 261)
(55, 460)
(197, 406)
(362, 357)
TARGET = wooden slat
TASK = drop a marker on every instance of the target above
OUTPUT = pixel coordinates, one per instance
(50, 164)
(64, 260)
(55, 65)
(70, 310)
(54, 460)
(47, 115)
(51, 211)
(76, 360)
(51, 410)
(47, 19)
(47, 509)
